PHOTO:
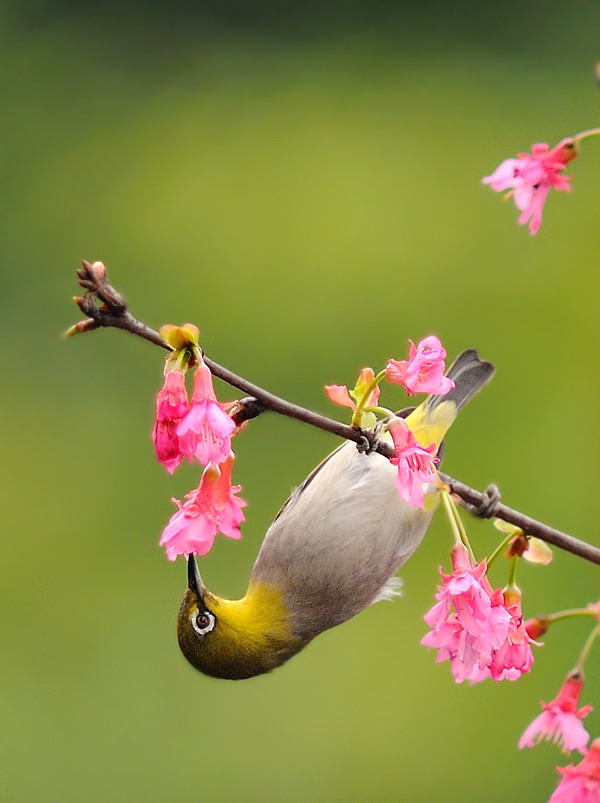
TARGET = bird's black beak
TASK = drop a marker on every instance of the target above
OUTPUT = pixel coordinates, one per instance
(195, 583)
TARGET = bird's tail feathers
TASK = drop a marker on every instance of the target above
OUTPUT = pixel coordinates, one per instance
(432, 419)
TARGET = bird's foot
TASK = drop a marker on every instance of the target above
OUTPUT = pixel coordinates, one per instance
(368, 445)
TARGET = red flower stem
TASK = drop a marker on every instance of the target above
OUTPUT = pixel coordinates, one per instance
(112, 312)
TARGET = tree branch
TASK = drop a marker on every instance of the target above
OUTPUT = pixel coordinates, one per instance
(105, 307)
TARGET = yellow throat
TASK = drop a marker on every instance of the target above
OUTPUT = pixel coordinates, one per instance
(234, 639)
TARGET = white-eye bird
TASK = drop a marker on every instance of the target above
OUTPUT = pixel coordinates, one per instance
(333, 549)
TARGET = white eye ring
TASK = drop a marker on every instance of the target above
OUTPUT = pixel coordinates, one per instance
(202, 631)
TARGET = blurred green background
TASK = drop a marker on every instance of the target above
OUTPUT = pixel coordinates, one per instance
(302, 181)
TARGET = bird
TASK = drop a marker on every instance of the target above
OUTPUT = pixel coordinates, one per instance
(333, 549)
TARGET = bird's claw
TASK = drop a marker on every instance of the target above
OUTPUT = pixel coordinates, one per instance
(367, 445)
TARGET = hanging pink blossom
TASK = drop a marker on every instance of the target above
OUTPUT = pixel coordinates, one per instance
(456, 645)
(560, 722)
(171, 407)
(423, 372)
(515, 656)
(530, 178)
(416, 464)
(205, 432)
(581, 783)
(212, 508)
(469, 621)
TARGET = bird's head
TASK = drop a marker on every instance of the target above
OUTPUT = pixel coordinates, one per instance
(234, 639)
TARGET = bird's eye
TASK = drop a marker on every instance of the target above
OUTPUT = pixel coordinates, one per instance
(203, 622)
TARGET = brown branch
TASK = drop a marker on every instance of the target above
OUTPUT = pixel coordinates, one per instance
(105, 307)
(479, 504)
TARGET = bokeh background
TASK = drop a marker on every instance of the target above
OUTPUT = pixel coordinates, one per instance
(302, 180)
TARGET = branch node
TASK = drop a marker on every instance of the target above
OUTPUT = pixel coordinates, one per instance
(246, 409)
(488, 506)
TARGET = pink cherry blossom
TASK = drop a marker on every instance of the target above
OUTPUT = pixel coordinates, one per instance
(469, 621)
(530, 178)
(455, 644)
(339, 394)
(514, 657)
(171, 407)
(478, 629)
(206, 430)
(423, 372)
(581, 783)
(416, 463)
(560, 722)
(211, 508)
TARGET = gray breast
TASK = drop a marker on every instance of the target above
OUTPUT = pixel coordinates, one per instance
(339, 539)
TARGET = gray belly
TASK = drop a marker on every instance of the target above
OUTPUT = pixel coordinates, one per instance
(338, 540)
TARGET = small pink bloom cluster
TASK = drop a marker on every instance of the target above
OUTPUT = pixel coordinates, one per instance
(530, 178)
(560, 722)
(478, 629)
(416, 464)
(581, 783)
(423, 372)
(199, 431)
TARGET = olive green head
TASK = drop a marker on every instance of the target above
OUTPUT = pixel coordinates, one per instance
(234, 639)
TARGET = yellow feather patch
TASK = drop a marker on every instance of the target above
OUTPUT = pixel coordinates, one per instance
(430, 426)
(261, 615)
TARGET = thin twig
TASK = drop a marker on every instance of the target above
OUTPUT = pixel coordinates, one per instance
(105, 307)
(111, 311)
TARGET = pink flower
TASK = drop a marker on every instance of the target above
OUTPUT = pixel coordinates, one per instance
(206, 430)
(213, 507)
(416, 464)
(530, 178)
(339, 394)
(469, 621)
(580, 784)
(560, 721)
(171, 407)
(515, 656)
(423, 372)
(455, 644)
